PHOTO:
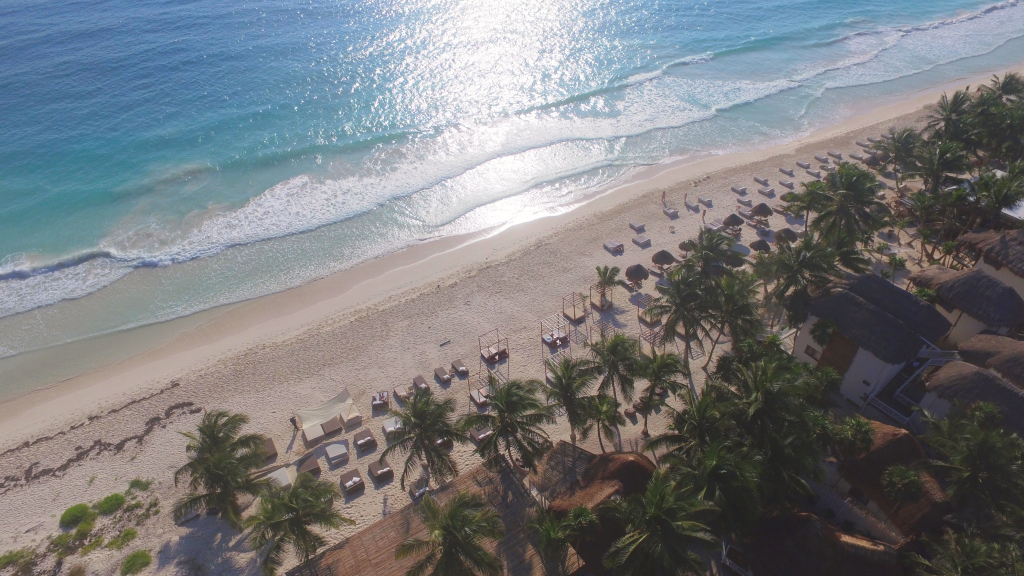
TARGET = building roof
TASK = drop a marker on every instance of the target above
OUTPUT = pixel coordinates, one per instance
(806, 545)
(614, 473)
(967, 384)
(892, 446)
(978, 294)
(918, 315)
(372, 549)
(998, 249)
(1000, 353)
(561, 470)
(869, 327)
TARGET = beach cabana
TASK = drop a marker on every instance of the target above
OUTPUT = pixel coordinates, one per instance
(663, 258)
(760, 246)
(554, 330)
(785, 235)
(733, 220)
(573, 307)
(972, 300)
(762, 210)
(281, 477)
(643, 302)
(311, 420)
(493, 346)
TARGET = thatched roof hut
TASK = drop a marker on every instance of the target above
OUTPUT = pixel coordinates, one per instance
(967, 384)
(561, 471)
(663, 258)
(762, 210)
(998, 249)
(785, 235)
(1000, 353)
(892, 446)
(805, 545)
(869, 327)
(760, 245)
(916, 314)
(976, 293)
(637, 272)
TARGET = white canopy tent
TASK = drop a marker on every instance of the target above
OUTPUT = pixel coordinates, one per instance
(341, 406)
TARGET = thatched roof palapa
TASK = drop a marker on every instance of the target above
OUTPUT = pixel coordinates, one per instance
(733, 220)
(998, 249)
(976, 293)
(760, 246)
(785, 235)
(892, 446)
(561, 470)
(869, 327)
(663, 258)
(1000, 353)
(918, 315)
(637, 272)
(805, 545)
(762, 210)
(967, 384)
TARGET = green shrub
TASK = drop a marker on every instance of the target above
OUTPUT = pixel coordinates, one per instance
(139, 485)
(122, 539)
(135, 562)
(77, 570)
(17, 558)
(110, 504)
(75, 515)
(96, 543)
(83, 530)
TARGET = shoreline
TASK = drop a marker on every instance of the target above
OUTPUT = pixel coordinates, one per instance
(200, 340)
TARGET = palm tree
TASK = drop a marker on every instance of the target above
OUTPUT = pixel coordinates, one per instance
(960, 555)
(1011, 85)
(693, 429)
(896, 264)
(516, 417)
(660, 371)
(951, 118)
(220, 466)
(725, 475)
(735, 310)
(902, 485)
(801, 268)
(849, 207)
(570, 379)
(899, 153)
(554, 534)
(663, 525)
(683, 306)
(285, 516)
(811, 199)
(604, 415)
(455, 531)
(425, 421)
(937, 159)
(851, 439)
(994, 194)
(607, 280)
(708, 254)
(614, 361)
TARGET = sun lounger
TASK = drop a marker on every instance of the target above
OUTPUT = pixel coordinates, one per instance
(761, 181)
(419, 489)
(336, 453)
(863, 144)
(403, 393)
(883, 185)
(769, 192)
(629, 412)
(746, 214)
(872, 140)
(741, 190)
(390, 426)
(715, 225)
(478, 398)
(380, 470)
(350, 416)
(442, 375)
(786, 183)
(642, 241)
(822, 159)
(281, 478)
(351, 482)
(614, 246)
(835, 155)
(857, 157)
(494, 353)
(828, 168)
(787, 171)
(671, 212)
(637, 227)
(480, 434)
(746, 202)
(380, 400)
(313, 434)
(460, 367)
(364, 439)
(692, 206)
(869, 152)
(804, 165)
(331, 426)
(704, 200)
(655, 272)
(445, 442)
(269, 448)
(420, 382)
(815, 173)
(310, 466)
(886, 136)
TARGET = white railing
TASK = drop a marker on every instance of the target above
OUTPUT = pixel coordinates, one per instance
(888, 410)
(861, 518)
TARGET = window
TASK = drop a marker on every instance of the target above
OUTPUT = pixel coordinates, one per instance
(865, 382)
(812, 352)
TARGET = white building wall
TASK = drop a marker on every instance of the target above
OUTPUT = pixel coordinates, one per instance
(964, 328)
(803, 340)
(867, 375)
(1004, 274)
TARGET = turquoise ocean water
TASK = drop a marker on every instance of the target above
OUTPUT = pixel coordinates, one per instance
(158, 157)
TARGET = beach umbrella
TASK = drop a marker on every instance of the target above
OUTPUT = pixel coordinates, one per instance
(733, 259)
(785, 235)
(663, 258)
(762, 210)
(637, 272)
(733, 220)
(760, 246)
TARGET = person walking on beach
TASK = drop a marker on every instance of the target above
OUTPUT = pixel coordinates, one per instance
(664, 204)
(702, 215)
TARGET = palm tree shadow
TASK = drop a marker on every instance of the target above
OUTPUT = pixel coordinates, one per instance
(209, 547)
(514, 503)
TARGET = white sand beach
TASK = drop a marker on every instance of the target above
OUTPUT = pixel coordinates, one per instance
(368, 329)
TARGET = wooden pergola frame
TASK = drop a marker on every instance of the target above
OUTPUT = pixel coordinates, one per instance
(555, 358)
(493, 346)
(574, 307)
(599, 329)
(643, 303)
(602, 303)
(653, 335)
